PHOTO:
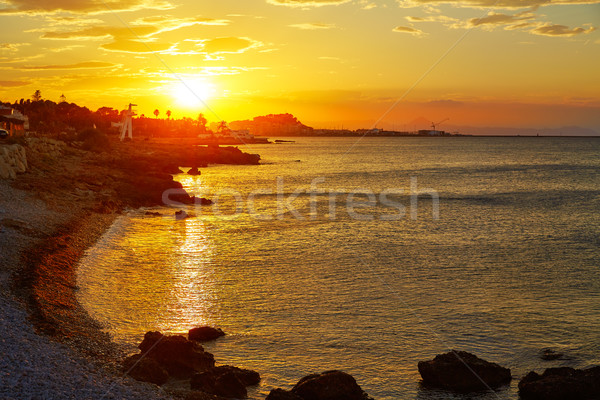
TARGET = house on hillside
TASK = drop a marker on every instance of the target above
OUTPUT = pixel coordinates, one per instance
(13, 121)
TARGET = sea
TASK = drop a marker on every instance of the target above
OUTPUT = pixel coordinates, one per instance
(368, 256)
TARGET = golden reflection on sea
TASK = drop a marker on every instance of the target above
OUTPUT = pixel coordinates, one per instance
(155, 275)
(193, 294)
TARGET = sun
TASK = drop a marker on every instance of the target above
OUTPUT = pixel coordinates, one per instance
(192, 93)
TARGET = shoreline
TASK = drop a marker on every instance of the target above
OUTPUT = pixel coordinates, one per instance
(49, 217)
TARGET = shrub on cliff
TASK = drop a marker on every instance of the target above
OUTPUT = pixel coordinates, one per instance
(94, 140)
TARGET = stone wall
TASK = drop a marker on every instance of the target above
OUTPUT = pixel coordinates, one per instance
(13, 161)
(13, 158)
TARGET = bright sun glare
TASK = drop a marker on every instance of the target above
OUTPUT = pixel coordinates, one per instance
(192, 93)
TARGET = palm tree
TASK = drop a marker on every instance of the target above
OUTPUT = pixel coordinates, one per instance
(37, 95)
(168, 114)
(156, 112)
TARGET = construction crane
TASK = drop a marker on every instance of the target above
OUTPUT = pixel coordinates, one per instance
(433, 125)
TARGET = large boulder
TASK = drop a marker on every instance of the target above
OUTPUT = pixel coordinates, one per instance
(329, 385)
(145, 369)
(561, 384)
(280, 394)
(205, 333)
(179, 356)
(462, 372)
(225, 381)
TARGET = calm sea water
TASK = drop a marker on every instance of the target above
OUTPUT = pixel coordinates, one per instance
(509, 268)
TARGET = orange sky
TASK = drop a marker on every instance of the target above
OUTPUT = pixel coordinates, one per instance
(332, 63)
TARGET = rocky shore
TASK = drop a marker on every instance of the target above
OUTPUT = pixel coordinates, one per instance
(55, 202)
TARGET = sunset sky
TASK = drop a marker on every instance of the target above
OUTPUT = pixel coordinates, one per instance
(332, 63)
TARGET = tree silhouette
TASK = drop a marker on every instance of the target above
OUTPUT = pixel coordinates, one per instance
(202, 121)
(156, 112)
(168, 114)
(222, 127)
(37, 95)
(63, 98)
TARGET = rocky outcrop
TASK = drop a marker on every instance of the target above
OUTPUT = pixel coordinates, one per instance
(329, 385)
(194, 171)
(561, 384)
(462, 372)
(280, 394)
(145, 369)
(225, 381)
(205, 333)
(13, 161)
(180, 357)
(202, 201)
(45, 148)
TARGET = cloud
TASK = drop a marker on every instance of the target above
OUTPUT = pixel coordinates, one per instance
(81, 65)
(138, 38)
(408, 29)
(11, 47)
(170, 23)
(307, 3)
(136, 46)
(521, 26)
(13, 83)
(432, 18)
(514, 4)
(500, 19)
(367, 5)
(38, 7)
(229, 45)
(216, 46)
(560, 30)
(143, 27)
(99, 32)
(313, 26)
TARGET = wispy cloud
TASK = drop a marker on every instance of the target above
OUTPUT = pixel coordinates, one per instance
(500, 19)
(216, 46)
(36, 7)
(560, 30)
(307, 3)
(513, 4)
(81, 65)
(409, 30)
(313, 26)
(13, 83)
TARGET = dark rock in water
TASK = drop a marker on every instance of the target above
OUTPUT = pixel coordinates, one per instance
(549, 355)
(171, 169)
(205, 333)
(280, 394)
(225, 381)
(561, 384)
(145, 369)
(179, 215)
(246, 376)
(225, 385)
(202, 201)
(179, 356)
(329, 385)
(153, 214)
(194, 171)
(462, 372)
